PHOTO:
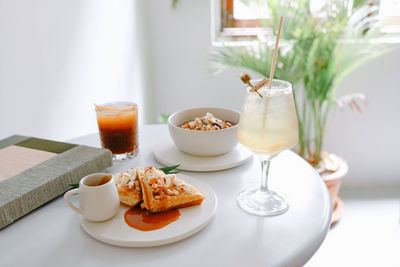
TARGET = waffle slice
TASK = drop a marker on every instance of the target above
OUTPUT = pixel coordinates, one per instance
(164, 192)
(128, 186)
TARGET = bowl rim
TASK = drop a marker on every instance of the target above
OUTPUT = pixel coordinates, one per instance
(202, 132)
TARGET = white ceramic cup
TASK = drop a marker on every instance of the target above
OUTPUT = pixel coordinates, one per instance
(96, 202)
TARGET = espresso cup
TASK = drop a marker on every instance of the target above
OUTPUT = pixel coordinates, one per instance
(98, 197)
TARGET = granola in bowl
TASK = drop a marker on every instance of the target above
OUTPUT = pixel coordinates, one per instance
(207, 123)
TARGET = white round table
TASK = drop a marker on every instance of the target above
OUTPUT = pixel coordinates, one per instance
(51, 235)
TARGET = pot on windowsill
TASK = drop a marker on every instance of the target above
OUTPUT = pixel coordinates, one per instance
(332, 169)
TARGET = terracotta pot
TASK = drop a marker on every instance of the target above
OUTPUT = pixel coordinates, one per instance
(333, 181)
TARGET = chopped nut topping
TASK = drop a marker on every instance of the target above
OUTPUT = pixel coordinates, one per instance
(186, 188)
(179, 182)
(125, 179)
(169, 192)
(165, 186)
(207, 123)
(128, 178)
(131, 172)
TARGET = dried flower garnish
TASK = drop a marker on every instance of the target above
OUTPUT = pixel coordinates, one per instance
(245, 77)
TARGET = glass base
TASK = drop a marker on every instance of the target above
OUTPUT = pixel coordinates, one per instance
(261, 203)
(124, 156)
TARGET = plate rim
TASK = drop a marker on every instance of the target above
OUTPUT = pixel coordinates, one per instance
(209, 169)
(160, 242)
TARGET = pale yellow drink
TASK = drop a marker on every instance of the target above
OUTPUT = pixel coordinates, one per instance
(268, 125)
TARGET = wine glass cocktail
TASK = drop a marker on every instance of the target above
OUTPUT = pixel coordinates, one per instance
(267, 126)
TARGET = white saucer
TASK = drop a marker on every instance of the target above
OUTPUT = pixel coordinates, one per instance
(116, 232)
(168, 154)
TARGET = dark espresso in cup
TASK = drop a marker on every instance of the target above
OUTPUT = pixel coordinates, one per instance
(96, 182)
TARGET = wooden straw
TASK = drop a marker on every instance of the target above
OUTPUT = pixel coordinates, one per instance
(271, 74)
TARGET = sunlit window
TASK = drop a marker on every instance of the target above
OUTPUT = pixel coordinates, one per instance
(241, 21)
(247, 10)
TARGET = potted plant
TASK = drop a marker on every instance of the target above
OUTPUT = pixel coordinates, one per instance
(317, 50)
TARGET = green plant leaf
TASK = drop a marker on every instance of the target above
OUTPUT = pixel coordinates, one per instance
(164, 118)
(316, 52)
(170, 169)
(174, 3)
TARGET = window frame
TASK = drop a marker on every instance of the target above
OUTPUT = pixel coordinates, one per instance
(227, 31)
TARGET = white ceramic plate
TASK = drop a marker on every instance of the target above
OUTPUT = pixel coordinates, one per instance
(168, 154)
(116, 232)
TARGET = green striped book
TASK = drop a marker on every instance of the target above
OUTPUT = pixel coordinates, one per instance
(34, 171)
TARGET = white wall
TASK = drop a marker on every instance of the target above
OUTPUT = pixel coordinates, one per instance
(179, 43)
(59, 57)
(178, 52)
(370, 142)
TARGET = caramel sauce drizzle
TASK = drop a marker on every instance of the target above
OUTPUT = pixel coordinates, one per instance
(143, 220)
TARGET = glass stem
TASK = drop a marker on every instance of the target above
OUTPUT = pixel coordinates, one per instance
(265, 162)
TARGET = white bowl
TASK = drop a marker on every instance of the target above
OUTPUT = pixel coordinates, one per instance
(204, 143)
